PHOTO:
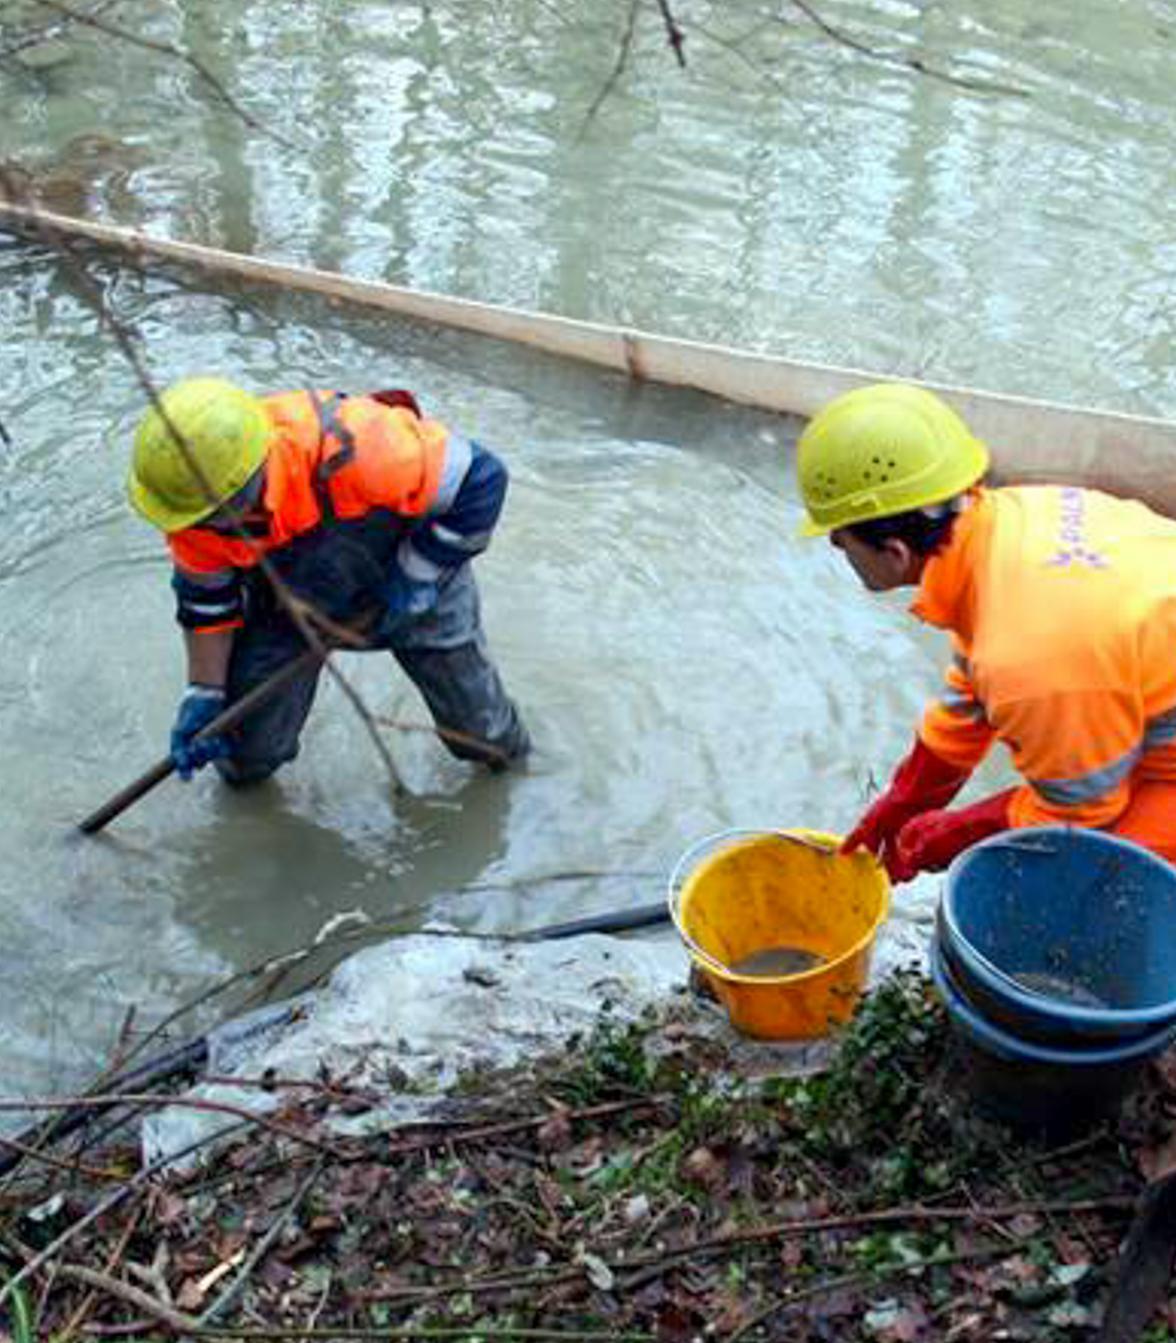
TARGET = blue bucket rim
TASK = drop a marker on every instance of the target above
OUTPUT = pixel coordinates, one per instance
(1013, 1047)
(1027, 841)
(960, 964)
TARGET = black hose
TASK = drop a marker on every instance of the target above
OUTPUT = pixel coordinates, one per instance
(622, 920)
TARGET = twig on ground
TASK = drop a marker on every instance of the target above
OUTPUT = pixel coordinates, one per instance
(664, 1260)
(77, 1319)
(131, 1328)
(103, 1206)
(59, 1163)
(134, 1296)
(873, 1276)
(229, 1295)
(518, 1125)
(417, 1331)
(887, 1216)
(122, 1041)
(144, 1098)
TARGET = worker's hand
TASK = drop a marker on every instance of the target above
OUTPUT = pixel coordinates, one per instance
(881, 823)
(929, 843)
(921, 782)
(199, 705)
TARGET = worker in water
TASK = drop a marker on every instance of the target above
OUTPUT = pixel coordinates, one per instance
(1061, 606)
(359, 506)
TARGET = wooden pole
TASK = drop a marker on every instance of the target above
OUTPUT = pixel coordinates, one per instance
(1030, 440)
(229, 718)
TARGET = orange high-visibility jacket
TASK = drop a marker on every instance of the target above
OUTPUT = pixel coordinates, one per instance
(1061, 603)
(395, 460)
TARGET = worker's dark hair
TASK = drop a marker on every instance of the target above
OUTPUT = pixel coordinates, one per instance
(924, 530)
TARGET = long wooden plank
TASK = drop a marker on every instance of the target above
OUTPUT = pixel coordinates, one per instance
(1030, 440)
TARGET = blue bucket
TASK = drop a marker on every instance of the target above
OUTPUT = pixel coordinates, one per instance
(1063, 936)
(1046, 1088)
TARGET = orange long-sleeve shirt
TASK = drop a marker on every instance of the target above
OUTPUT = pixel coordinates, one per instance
(1061, 603)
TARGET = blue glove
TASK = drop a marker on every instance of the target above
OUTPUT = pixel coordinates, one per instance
(199, 705)
(406, 598)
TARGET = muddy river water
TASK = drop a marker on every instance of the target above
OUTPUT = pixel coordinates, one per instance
(683, 664)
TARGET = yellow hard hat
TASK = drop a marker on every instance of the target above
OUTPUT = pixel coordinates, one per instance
(880, 450)
(226, 433)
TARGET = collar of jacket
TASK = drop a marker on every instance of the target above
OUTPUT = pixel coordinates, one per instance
(946, 589)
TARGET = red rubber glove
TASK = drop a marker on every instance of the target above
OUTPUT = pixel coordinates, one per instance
(921, 782)
(397, 396)
(929, 842)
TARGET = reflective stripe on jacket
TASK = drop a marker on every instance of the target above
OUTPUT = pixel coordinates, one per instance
(1062, 607)
(392, 460)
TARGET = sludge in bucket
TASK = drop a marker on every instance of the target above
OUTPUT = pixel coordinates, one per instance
(785, 897)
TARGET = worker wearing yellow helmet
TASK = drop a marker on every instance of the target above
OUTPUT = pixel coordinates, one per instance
(361, 507)
(1061, 606)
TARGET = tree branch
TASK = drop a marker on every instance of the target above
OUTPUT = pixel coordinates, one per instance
(617, 70)
(915, 63)
(674, 35)
(92, 20)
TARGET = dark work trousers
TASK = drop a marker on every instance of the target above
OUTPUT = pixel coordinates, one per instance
(341, 569)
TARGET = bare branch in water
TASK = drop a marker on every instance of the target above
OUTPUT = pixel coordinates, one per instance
(915, 63)
(674, 35)
(92, 20)
(36, 34)
(479, 744)
(618, 67)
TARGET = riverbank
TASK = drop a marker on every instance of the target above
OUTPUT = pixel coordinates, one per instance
(643, 1183)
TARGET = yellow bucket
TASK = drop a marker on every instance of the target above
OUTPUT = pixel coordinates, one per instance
(747, 891)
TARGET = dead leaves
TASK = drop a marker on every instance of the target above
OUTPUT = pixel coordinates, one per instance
(703, 1168)
(555, 1133)
(891, 1321)
(663, 1213)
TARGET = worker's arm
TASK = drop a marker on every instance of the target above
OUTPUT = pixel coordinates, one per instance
(465, 513)
(930, 842)
(1075, 751)
(955, 725)
(952, 740)
(457, 527)
(209, 611)
(208, 656)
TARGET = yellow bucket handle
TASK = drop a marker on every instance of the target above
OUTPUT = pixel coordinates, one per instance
(691, 858)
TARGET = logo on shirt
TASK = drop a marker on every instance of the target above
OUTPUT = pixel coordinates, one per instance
(1072, 545)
